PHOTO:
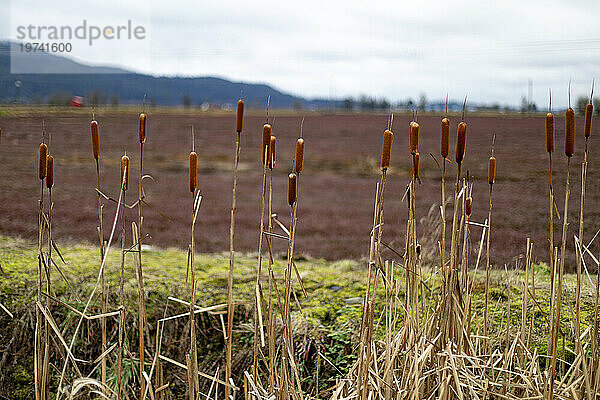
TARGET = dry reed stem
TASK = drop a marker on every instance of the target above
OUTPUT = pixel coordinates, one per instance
(558, 303)
(96, 153)
(258, 324)
(140, 273)
(230, 307)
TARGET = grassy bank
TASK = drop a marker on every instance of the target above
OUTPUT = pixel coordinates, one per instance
(326, 323)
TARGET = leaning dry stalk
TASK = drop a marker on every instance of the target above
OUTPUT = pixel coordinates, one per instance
(96, 153)
(587, 131)
(491, 181)
(550, 150)
(230, 310)
(258, 324)
(287, 347)
(140, 274)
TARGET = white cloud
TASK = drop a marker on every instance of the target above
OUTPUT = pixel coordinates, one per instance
(394, 49)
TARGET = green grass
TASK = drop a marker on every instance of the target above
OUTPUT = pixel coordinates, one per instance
(330, 314)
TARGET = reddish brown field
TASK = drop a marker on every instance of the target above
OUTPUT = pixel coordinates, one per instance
(336, 187)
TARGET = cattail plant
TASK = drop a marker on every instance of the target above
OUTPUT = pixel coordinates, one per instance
(491, 181)
(193, 384)
(238, 127)
(292, 189)
(266, 141)
(550, 150)
(140, 274)
(42, 161)
(375, 241)
(96, 153)
(569, 151)
(416, 166)
(468, 206)
(124, 183)
(125, 172)
(414, 137)
(300, 155)
(193, 171)
(41, 378)
(453, 330)
(272, 151)
(142, 128)
(444, 150)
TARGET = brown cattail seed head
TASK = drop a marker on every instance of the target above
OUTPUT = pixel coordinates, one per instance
(461, 139)
(272, 151)
(193, 170)
(445, 137)
(95, 139)
(124, 172)
(569, 132)
(49, 172)
(416, 165)
(266, 140)
(550, 132)
(468, 206)
(414, 138)
(492, 170)
(386, 151)
(589, 109)
(299, 154)
(292, 182)
(42, 160)
(142, 129)
(239, 123)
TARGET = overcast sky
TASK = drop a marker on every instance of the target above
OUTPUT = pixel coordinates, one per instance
(396, 49)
